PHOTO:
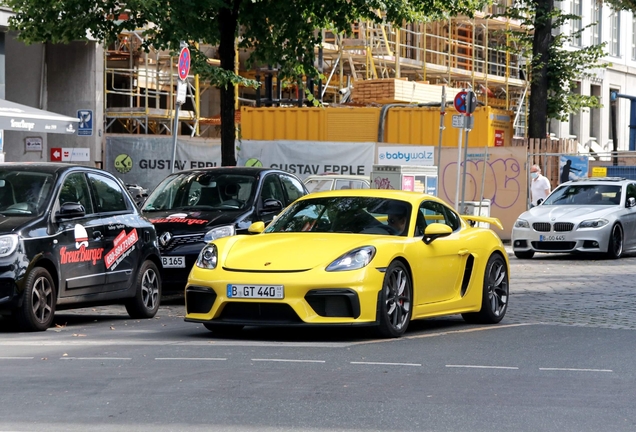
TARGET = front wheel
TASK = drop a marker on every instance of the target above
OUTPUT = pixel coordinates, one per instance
(145, 304)
(494, 301)
(615, 246)
(395, 300)
(38, 302)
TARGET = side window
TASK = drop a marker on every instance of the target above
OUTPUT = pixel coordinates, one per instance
(434, 212)
(272, 189)
(293, 188)
(75, 190)
(109, 196)
(631, 191)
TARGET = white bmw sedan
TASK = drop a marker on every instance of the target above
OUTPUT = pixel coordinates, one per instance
(586, 215)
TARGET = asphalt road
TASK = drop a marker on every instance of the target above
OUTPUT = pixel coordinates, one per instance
(562, 359)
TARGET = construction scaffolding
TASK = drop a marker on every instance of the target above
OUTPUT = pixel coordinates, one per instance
(460, 53)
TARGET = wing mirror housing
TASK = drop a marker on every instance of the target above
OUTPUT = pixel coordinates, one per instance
(70, 210)
(256, 227)
(271, 205)
(435, 231)
(631, 202)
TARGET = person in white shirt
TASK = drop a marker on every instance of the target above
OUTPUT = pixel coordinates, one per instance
(539, 187)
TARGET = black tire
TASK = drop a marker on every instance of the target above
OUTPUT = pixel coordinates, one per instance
(615, 245)
(524, 254)
(38, 301)
(224, 330)
(145, 304)
(495, 293)
(395, 301)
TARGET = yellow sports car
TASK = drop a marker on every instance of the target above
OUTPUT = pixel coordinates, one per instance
(353, 257)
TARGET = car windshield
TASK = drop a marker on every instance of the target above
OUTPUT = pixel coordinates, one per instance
(585, 194)
(359, 215)
(24, 193)
(203, 191)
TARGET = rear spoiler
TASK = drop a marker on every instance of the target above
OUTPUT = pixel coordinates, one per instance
(489, 220)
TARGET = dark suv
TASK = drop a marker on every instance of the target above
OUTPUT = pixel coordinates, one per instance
(191, 208)
(70, 236)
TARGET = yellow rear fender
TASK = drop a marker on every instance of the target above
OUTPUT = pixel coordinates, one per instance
(490, 220)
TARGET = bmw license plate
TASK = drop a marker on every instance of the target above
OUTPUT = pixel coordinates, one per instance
(551, 237)
(173, 261)
(255, 291)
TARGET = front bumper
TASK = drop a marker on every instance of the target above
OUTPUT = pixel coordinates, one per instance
(577, 240)
(312, 297)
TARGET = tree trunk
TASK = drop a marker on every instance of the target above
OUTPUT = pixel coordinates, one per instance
(537, 123)
(228, 22)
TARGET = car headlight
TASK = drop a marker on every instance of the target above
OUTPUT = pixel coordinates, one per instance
(593, 223)
(8, 244)
(208, 257)
(219, 232)
(353, 260)
(522, 223)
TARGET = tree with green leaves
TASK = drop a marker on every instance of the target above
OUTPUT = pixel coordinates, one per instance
(554, 67)
(274, 31)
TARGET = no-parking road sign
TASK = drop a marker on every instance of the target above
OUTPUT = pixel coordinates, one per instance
(465, 102)
(184, 63)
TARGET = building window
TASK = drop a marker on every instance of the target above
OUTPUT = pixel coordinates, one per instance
(615, 31)
(634, 37)
(597, 20)
(576, 25)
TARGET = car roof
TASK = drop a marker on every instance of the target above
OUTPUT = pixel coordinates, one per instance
(412, 197)
(337, 177)
(599, 180)
(46, 167)
(240, 170)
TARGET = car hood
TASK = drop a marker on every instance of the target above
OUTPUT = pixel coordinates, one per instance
(566, 212)
(272, 252)
(10, 224)
(183, 222)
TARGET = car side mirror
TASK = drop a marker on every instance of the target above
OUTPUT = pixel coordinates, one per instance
(70, 210)
(631, 202)
(435, 231)
(539, 201)
(271, 205)
(256, 227)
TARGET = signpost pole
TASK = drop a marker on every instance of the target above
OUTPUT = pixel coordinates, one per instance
(442, 113)
(471, 103)
(459, 164)
(183, 70)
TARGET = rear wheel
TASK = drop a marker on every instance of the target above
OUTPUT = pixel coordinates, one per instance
(38, 302)
(494, 302)
(395, 300)
(615, 246)
(145, 304)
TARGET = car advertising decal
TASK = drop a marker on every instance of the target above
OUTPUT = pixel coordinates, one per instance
(180, 218)
(83, 253)
(124, 244)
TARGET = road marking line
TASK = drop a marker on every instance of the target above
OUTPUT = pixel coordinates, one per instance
(470, 330)
(385, 364)
(191, 358)
(16, 358)
(576, 370)
(287, 360)
(95, 358)
(482, 367)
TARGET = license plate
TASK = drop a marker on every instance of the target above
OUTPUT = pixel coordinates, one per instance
(255, 291)
(551, 237)
(173, 261)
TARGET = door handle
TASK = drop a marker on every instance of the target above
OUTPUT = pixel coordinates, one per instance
(97, 235)
(463, 252)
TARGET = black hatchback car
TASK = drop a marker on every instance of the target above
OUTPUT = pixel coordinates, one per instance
(70, 236)
(191, 208)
